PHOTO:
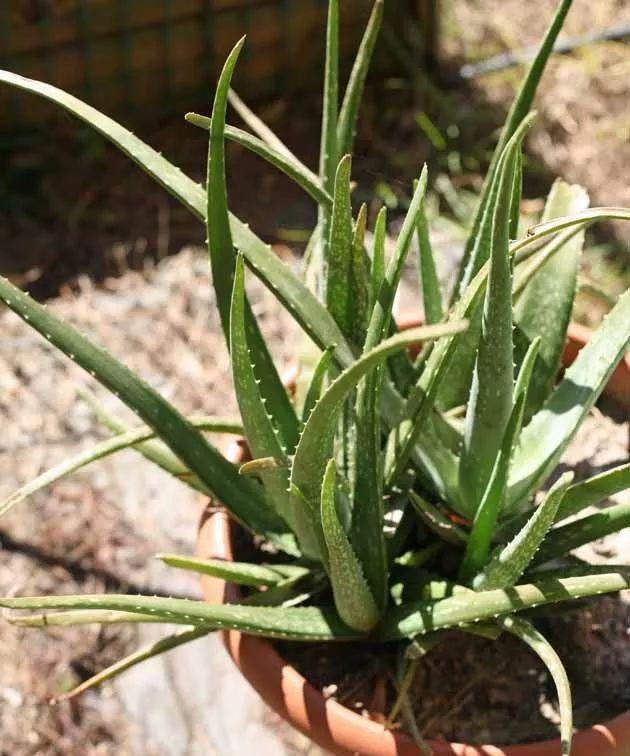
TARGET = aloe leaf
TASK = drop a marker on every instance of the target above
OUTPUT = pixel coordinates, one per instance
(80, 617)
(295, 623)
(556, 225)
(293, 168)
(578, 497)
(259, 428)
(429, 283)
(155, 649)
(296, 297)
(567, 537)
(223, 262)
(436, 521)
(315, 447)
(544, 307)
(378, 255)
(510, 562)
(543, 441)
(491, 393)
(317, 383)
(480, 539)
(135, 437)
(422, 617)
(520, 107)
(524, 630)
(353, 598)
(348, 114)
(340, 249)
(241, 573)
(242, 497)
(515, 202)
(328, 151)
(382, 312)
(258, 126)
(359, 281)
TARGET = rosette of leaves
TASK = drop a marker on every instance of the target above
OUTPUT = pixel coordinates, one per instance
(388, 462)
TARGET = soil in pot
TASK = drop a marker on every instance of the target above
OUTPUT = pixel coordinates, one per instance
(468, 689)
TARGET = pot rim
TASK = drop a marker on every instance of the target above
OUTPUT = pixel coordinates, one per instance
(330, 724)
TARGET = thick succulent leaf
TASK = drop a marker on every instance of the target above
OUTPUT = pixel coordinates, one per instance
(244, 498)
(354, 91)
(223, 262)
(437, 521)
(260, 432)
(422, 617)
(480, 539)
(158, 648)
(338, 299)
(317, 383)
(382, 312)
(554, 226)
(317, 441)
(131, 438)
(378, 255)
(429, 283)
(543, 441)
(524, 630)
(76, 617)
(545, 304)
(359, 281)
(296, 297)
(241, 573)
(491, 393)
(328, 151)
(292, 167)
(299, 623)
(353, 597)
(510, 562)
(593, 490)
(567, 537)
(515, 202)
(520, 107)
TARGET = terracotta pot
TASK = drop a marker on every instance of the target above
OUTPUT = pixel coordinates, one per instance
(333, 726)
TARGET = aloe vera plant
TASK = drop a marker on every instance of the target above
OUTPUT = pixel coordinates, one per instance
(361, 488)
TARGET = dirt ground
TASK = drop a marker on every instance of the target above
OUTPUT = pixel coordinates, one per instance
(81, 226)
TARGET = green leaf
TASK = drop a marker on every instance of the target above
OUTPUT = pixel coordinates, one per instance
(478, 546)
(545, 304)
(378, 255)
(430, 285)
(260, 432)
(329, 151)
(353, 598)
(515, 202)
(149, 652)
(520, 107)
(382, 312)
(311, 623)
(258, 126)
(579, 496)
(359, 281)
(567, 537)
(524, 630)
(223, 261)
(338, 299)
(346, 126)
(510, 562)
(316, 443)
(240, 573)
(422, 617)
(491, 393)
(291, 167)
(548, 434)
(242, 497)
(317, 382)
(132, 438)
(436, 521)
(81, 617)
